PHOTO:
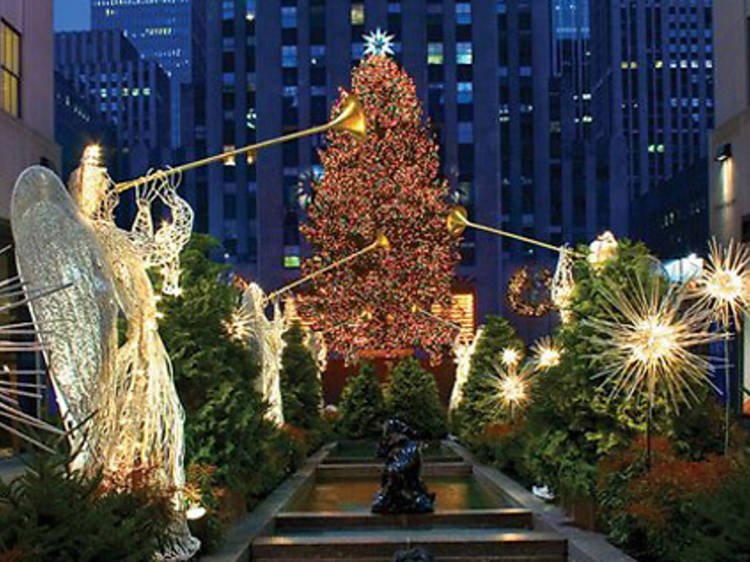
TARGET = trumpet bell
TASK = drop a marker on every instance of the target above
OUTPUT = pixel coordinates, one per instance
(351, 119)
(457, 220)
(382, 242)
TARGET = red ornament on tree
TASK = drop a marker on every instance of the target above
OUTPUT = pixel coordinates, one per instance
(387, 184)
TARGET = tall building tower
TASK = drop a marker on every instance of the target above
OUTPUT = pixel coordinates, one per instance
(160, 30)
(652, 73)
(132, 92)
(26, 101)
(484, 72)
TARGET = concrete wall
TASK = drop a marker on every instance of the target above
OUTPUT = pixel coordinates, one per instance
(729, 196)
(28, 140)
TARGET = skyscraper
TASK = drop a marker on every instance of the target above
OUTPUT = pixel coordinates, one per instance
(132, 92)
(485, 75)
(160, 30)
(652, 78)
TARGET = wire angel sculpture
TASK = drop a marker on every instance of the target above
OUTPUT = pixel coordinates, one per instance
(267, 338)
(138, 419)
(463, 351)
(15, 383)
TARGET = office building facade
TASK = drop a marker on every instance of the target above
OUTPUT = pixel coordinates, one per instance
(729, 165)
(652, 92)
(160, 30)
(485, 75)
(133, 93)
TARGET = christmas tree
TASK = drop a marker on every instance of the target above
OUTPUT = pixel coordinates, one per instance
(389, 183)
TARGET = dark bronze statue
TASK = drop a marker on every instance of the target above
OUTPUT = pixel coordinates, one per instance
(402, 489)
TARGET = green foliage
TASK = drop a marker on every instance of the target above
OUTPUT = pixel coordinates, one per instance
(471, 416)
(300, 386)
(412, 396)
(575, 422)
(717, 527)
(50, 513)
(361, 407)
(224, 423)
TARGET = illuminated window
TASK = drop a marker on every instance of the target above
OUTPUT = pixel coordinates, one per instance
(291, 262)
(463, 13)
(463, 53)
(358, 13)
(289, 17)
(461, 312)
(10, 65)
(289, 56)
(229, 160)
(434, 53)
(465, 92)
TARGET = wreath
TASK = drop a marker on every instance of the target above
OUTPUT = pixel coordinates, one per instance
(529, 291)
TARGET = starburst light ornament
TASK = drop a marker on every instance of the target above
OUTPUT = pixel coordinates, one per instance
(547, 354)
(645, 343)
(509, 389)
(510, 357)
(723, 286)
(378, 43)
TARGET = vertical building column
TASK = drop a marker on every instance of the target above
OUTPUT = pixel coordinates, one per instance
(269, 161)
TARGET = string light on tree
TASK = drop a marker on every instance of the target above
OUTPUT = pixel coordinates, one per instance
(378, 43)
(388, 183)
(546, 353)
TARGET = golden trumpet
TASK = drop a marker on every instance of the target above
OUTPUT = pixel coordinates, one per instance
(381, 241)
(351, 119)
(457, 222)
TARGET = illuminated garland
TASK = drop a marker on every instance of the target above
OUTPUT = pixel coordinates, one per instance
(522, 288)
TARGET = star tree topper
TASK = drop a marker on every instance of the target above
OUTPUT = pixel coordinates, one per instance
(378, 43)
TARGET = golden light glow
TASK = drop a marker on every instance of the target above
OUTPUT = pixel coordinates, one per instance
(195, 512)
(563, 285)
(722, 288)
(510, 357)
(508, 389)
(546, 353)
(463, 350)
(603, 249)
(238, 326)
(461, 313)
(645, 342)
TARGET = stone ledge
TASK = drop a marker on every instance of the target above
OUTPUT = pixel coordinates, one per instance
(583, 546)
(236, 545)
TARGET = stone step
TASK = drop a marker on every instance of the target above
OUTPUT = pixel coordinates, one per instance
(370, 470)
(445, 544)
(506, 518)
(373, 460)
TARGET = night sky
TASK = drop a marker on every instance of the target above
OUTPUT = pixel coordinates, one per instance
(72, 15)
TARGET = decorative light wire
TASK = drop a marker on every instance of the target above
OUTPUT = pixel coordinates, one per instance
(463, 351)
(563, 286)
(547, 353)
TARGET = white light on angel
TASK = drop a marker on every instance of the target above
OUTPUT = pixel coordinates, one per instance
(603, 249)
(463, 351)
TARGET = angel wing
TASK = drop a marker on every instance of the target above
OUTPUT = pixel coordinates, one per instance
(77, 327)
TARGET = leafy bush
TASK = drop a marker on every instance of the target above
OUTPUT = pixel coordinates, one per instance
(49, 513)
(652, 512)
(471, 416)
(361, 408)
(412, 396)
(224, 423)
(300, 386)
